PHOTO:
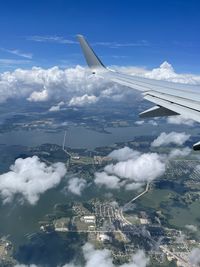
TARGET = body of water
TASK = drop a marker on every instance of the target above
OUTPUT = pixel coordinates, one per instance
(80, 137)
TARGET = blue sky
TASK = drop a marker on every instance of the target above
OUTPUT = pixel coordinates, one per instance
(123, 32)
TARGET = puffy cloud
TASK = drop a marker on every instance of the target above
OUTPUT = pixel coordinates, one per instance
(123, 154)
(170, 138)
(194, 257)
(38, 84)
(30, 178)
(139, 122)
(76, 185)
(166, 72)
(38, 96)
(56, 107)
(110, 181)
(133, 186)
(176, 152)
(145, 167)
(138, 260)
(132, 170)
(83, 100)
(180, 119)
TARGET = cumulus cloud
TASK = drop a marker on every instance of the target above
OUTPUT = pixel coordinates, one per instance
(123, 154)
(166, 72)
(170, 138)
(139, 122)
(133, 186)
(76, 185)
(145, 167)
(29, 178)
(132, 170)
(110, 181)
(38, 84)
(194, 257)
(56, 107)
(83, 100)
(38, 96)
(180, 119)
(176, 152)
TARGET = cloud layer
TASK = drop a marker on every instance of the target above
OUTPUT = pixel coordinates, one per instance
(29, 178)
(76, 85)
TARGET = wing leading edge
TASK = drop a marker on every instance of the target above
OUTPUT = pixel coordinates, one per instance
(169, 98)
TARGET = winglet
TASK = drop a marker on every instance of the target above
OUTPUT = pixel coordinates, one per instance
(92, 59)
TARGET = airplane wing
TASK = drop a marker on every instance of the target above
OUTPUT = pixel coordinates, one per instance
(169, 98)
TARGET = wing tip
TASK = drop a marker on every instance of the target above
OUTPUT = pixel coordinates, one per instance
(91, 58)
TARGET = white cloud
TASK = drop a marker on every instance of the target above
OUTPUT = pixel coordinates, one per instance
(76, 185)
(166, 72)
(54, 108)
(110, 181)
(38, 96)
(118, 45)
(133, 186)
(180, 119)
(145, 167)
(57, 107)
(176, 152)
(124, 154)
(73, 84)
(170, 138)
(51, 39)
(138, 260)
(194, 257)
(132, 170)
(29, 178)
(139, 122)
(83, 100)
(18, 53)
